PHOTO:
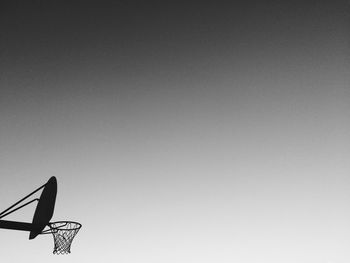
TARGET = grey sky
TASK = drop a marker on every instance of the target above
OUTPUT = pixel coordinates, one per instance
(179, 133)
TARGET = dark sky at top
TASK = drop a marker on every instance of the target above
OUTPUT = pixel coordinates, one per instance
(39, 25)
(65, 38)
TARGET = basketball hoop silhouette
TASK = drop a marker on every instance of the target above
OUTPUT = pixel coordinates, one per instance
(63, 231)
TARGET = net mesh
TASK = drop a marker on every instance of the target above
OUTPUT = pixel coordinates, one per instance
(63, 233)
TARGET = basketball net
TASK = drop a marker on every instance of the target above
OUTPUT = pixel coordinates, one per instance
(63, 233)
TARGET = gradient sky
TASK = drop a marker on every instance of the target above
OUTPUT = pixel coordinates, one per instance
(179, 132)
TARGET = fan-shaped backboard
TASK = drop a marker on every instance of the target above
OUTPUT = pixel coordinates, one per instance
(45, 208)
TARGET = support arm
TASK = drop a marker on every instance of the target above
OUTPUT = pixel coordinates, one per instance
(6, 211)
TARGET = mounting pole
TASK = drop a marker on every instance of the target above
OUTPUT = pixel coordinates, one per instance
(16, 225)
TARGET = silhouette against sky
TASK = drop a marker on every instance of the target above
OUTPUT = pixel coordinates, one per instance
(179, 132)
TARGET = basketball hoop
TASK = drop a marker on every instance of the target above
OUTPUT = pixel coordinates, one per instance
(63, 234)
(63, 231)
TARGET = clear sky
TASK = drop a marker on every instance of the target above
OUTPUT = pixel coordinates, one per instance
(179, 132)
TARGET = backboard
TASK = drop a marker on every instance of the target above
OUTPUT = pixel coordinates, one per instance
(45, 207)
